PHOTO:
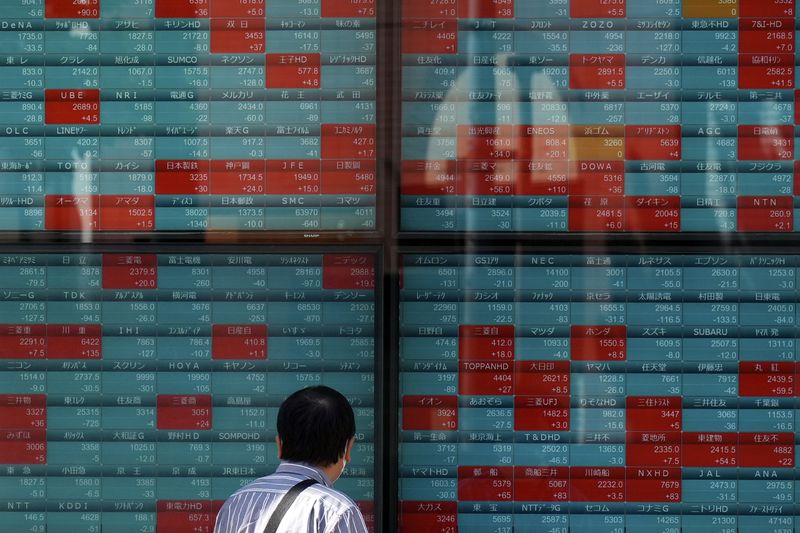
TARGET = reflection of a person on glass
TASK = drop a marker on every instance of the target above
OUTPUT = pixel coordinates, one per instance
(316, 433)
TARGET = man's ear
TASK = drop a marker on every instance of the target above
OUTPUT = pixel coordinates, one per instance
(279, 442)
(349, 448)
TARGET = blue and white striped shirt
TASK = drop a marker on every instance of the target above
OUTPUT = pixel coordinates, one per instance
(318, 509)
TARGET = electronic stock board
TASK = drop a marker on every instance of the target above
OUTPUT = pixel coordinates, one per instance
(554, 393)
(139, 387)
(599, 116)
(187, 115)
(537, 392)
(138, 391)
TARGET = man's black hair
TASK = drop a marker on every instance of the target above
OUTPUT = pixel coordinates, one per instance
(314, 425)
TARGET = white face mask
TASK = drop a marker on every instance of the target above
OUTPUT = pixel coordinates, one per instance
(344, 465)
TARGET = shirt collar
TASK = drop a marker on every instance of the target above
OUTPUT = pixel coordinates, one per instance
(305, 470)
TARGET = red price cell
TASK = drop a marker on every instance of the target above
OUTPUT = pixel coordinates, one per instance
(189, 412)
(421, 9)
(544, 378)
(541, 413)
(294, 176)
(653, 449)
(430, 36)
(23, 411)
(430, 178)
(764, 213)
(239, 341)
(597, 178)
(718, 450)
(596, 213)
(127, 213)
(428, 516)
(598, 343)
(477, 342)
(766, 378)
(766, 450)
(430, 413)
(240, 177)
(541, 143)
(486, 378)
(487, 178)
(766, 36)
(348, 141)
(348, 8)
(182, 9)
(796, 178)
(72, 106)
(655, 142)
(653, 413)
(23, 417)
(767, 8)
(652, 213)
(348, 272)
(653, 484)
(541, 483)
(796, 120)
(238, 8)
(796, 373)
(74, 341)
(72, 9)
(766, 143)
(23, 446)
(238, 36)
(485, 142)
(348, 176)
(130, 271)
(23, 341)
(766, 71)
(486, 483)
(486, 9)
(584, 9)
(182, 176)
(367, 508)
(597, 484)
(597, 71)
(216, 507)
(542, 178)
(293, 71)
(77, 213)
(184, 516)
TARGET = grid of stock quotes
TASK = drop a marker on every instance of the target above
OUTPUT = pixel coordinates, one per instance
(555, 393)
(138, 391)
(599, 116)
(187, 115)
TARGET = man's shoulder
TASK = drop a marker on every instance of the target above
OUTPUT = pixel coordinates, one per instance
(336, 510)
(331, 496)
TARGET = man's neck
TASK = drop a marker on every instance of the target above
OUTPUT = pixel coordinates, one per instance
(331, 471)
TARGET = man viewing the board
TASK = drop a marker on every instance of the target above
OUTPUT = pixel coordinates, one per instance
(316, 433)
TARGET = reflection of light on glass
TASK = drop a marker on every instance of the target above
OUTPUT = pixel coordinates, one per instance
(80, 31)
(81, 178)
(717, 189)
(510, 110)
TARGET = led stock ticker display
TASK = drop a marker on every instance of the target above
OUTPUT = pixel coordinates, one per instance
(612, 393)
(138, 391)
(599, 116)
(187, 115)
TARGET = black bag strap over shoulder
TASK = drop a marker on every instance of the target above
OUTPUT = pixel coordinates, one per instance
(285, 503)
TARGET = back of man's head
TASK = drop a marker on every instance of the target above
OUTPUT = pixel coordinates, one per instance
(314, 426)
